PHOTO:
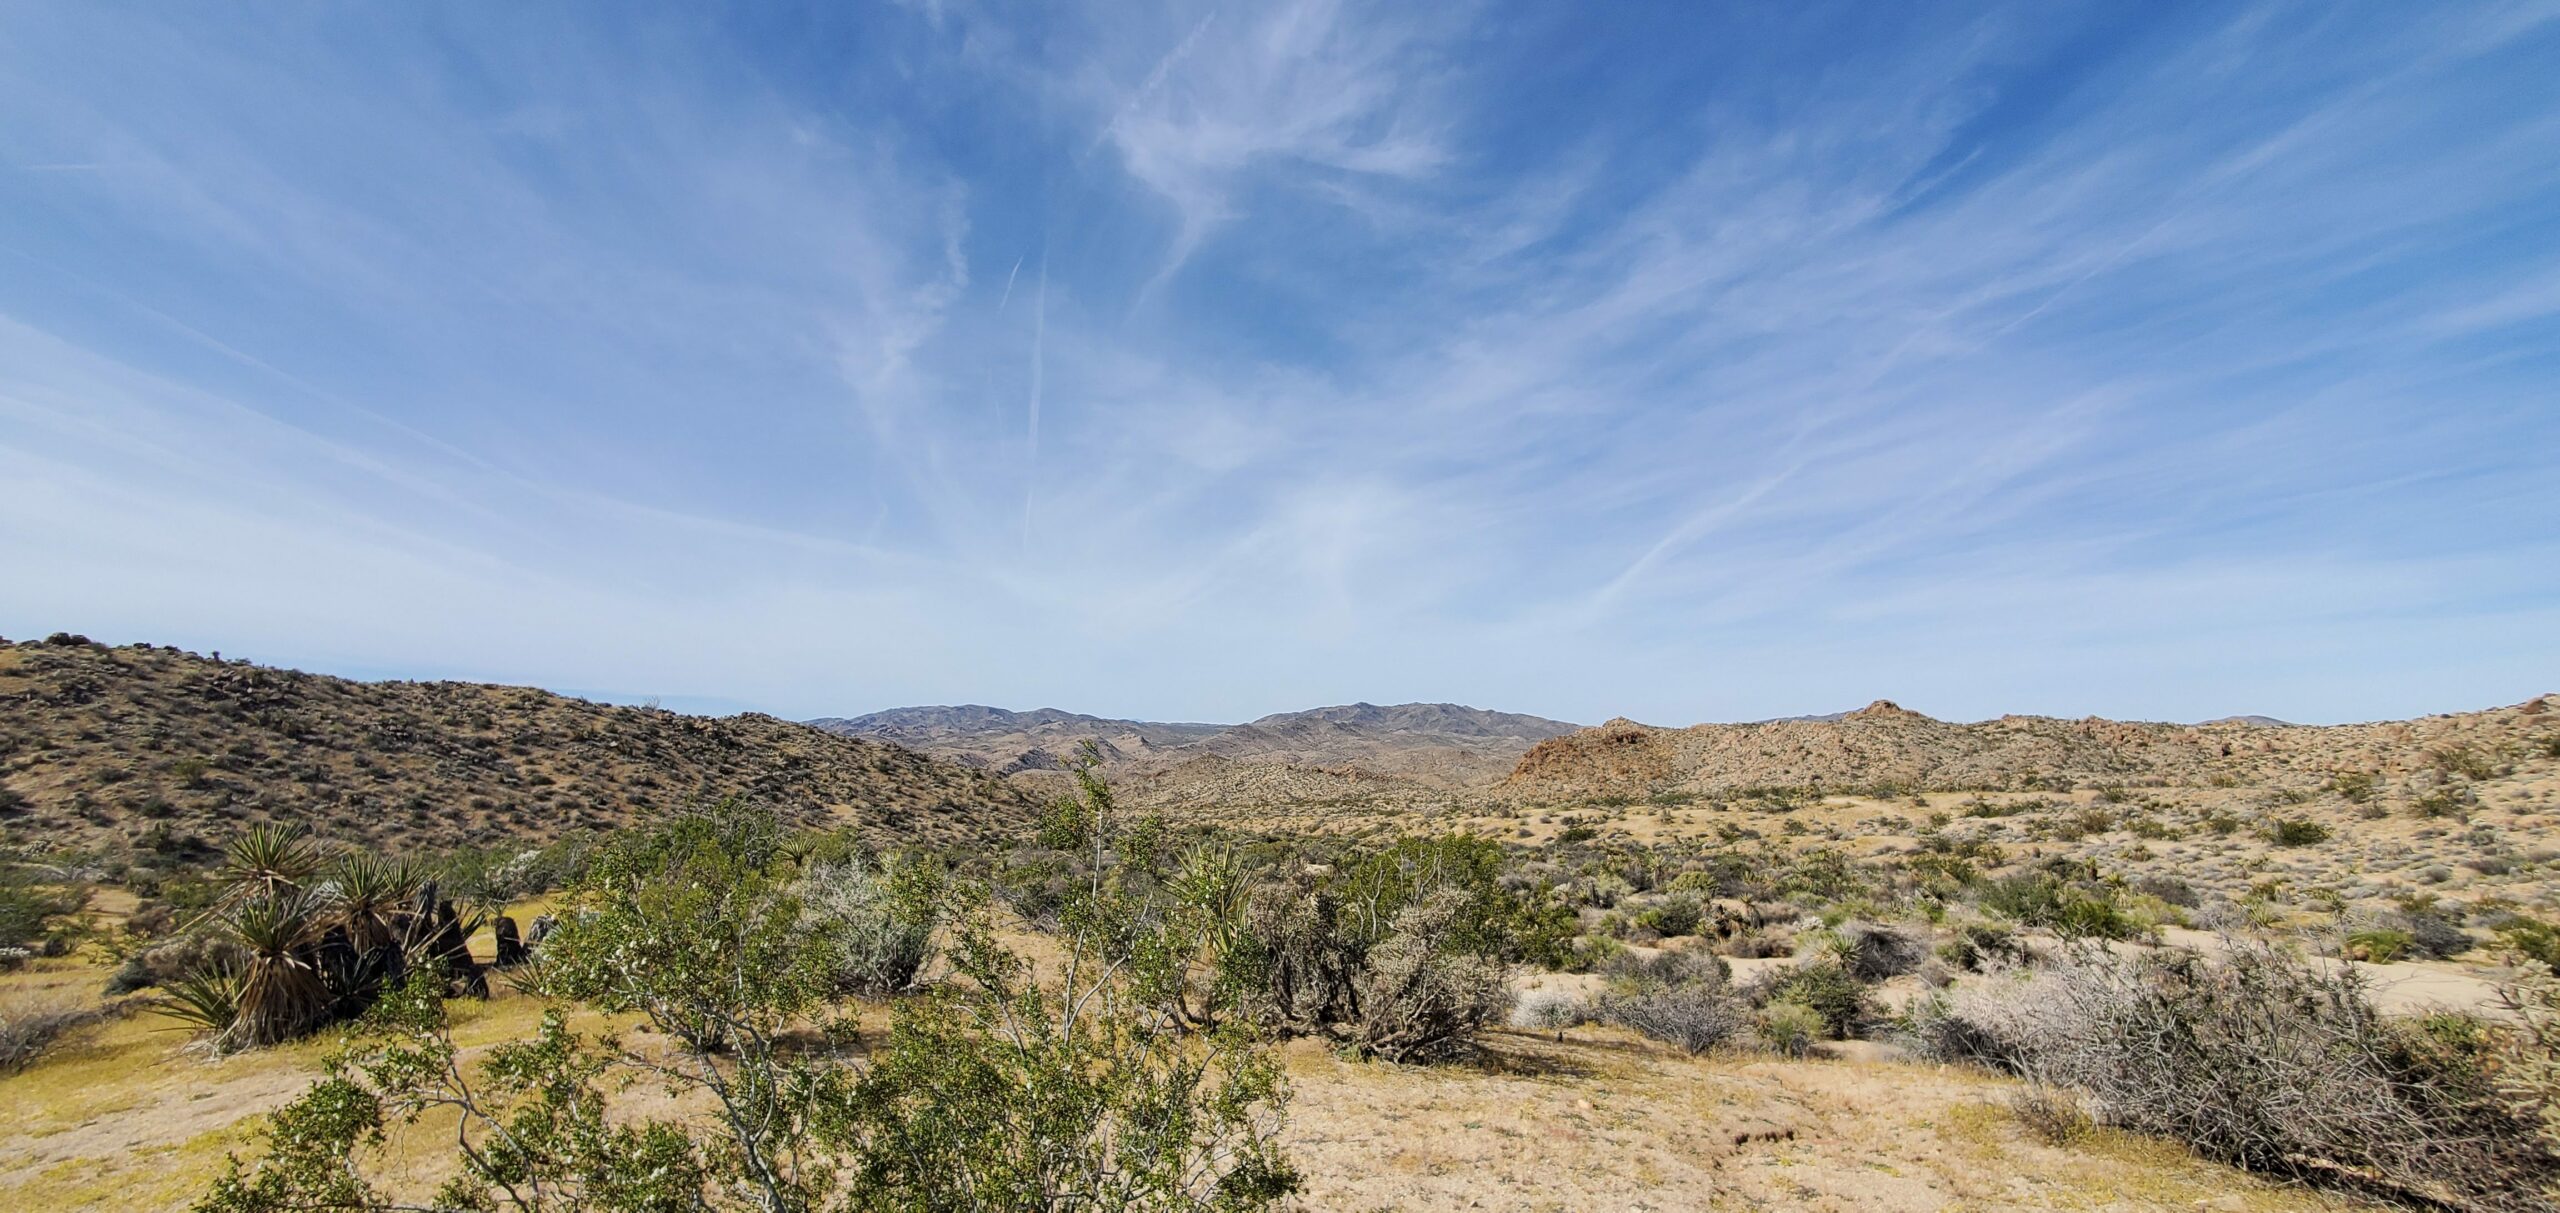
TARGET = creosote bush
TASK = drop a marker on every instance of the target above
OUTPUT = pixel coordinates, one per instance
(2297, 832)
(1791, 1028)
(1003, 1089)
(1821, 985)
(1400, 954)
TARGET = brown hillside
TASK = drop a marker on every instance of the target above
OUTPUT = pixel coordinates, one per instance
(1421, 745)
(1885, 745)
(153, 747)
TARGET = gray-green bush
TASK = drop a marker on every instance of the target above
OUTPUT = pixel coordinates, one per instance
(2263, 1060)
(877, 920)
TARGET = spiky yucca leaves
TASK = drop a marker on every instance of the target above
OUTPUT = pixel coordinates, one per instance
(207, 999)
(269, 859)
(370, 892)
(282, 993)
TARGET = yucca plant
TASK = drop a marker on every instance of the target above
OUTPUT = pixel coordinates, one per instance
(369, 891)
(282, 993)
(207, 999)
(269, 859)
(530, 977)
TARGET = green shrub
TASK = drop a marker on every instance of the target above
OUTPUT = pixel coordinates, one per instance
(1674, 917)
(2297, 832)
(2377, 946)
(2095, 918)
(2532, 939)
(2068, 907)
(2462, 760)
(1826, 986)
(1791, 1028)
(995, 1092)
(35, 913)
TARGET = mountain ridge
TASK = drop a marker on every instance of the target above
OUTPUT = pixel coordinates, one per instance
(1884, 745)
(1439, 744)
(153, 745)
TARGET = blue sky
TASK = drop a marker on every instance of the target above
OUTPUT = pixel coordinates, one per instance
(1681, 361)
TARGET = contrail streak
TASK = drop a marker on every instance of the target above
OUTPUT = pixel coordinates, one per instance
(1039, 368)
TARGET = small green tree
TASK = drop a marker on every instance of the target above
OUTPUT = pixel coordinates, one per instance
(1089, 1090)
(530, 1129)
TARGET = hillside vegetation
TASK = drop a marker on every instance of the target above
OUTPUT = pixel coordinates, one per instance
(1890, 747)
(1433, 745)
(153, 747)
(1876, 962)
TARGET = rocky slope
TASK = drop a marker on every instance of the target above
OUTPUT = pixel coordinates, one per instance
(1009, 742)
(1886, 746)
(1431, 744)
(1440, 744)
(155, 747)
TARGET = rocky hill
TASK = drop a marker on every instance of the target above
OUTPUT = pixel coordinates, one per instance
(1009, 742)
(1433, 744)
(1439, 744)
(1886, 746)
(155, 747)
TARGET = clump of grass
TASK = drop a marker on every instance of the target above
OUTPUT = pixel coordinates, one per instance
(31, 1024)
(2462, 760)
(2052, 1114)
(2447, 801)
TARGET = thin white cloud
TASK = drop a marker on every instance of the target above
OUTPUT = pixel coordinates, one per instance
(1306, 88)
(672, 373)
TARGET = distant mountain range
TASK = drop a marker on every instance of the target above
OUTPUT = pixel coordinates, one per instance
(1331, 750)
(1442, 744)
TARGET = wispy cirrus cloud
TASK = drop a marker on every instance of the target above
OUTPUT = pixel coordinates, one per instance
(1197, 362)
